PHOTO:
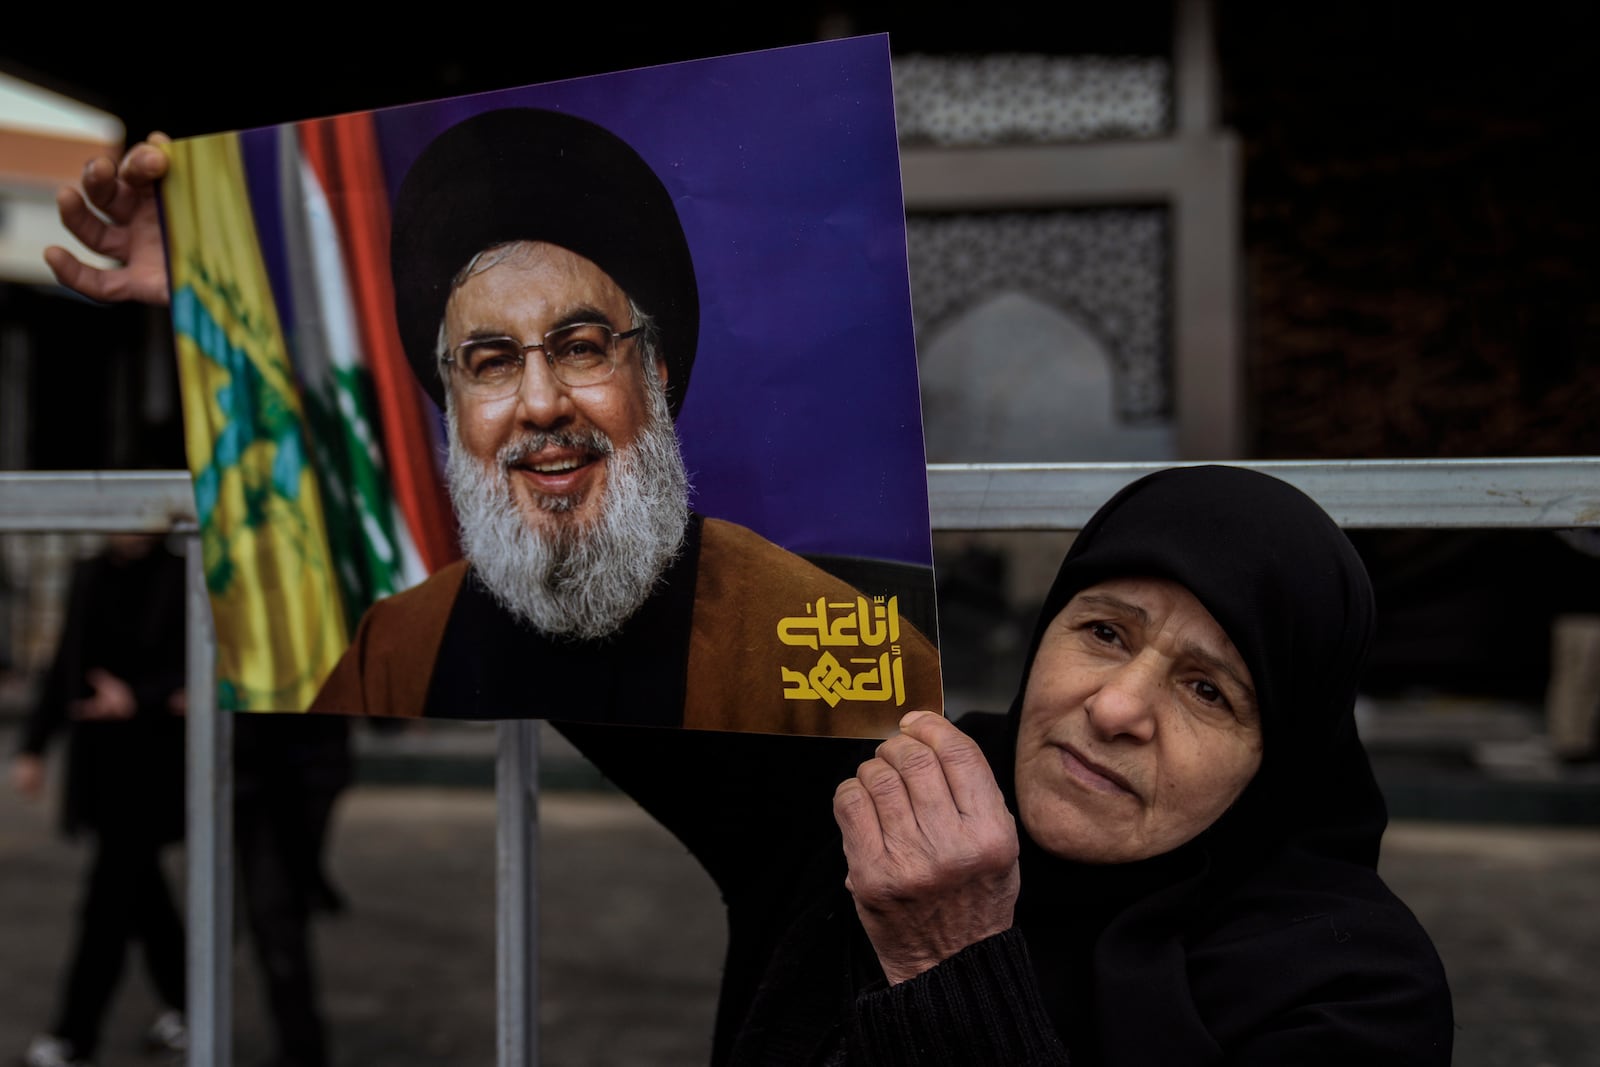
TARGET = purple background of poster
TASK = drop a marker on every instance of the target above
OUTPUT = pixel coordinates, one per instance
(802, 419)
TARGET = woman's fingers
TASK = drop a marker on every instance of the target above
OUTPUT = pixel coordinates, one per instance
(930, 872)
(115, 215)
(966, 772)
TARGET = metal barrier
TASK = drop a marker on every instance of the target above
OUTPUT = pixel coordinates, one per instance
(1552, 493)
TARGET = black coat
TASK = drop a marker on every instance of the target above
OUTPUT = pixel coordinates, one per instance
(124, 777)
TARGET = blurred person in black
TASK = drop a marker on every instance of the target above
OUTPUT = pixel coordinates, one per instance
(116, 688)
(288, 772)
(124, 636)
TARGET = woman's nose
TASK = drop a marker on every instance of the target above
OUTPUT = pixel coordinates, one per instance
(1124, 705)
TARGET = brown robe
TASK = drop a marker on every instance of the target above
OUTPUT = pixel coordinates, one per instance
(844, 673)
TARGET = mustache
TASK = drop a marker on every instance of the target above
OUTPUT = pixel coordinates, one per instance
(533, 442)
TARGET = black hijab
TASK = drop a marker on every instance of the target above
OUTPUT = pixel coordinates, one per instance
(1168, 960)
(1286, 585)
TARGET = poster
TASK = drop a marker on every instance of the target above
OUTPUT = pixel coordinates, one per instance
(670, 311)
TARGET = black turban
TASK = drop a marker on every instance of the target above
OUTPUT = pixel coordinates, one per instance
(523, 174)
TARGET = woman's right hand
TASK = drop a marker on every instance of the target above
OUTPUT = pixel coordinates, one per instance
(126, 228)
(930, 845)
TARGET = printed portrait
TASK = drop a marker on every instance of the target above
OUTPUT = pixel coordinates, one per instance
(591, 401)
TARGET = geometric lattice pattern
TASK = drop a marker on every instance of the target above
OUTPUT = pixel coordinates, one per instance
(1019, 98)
(1105, 267)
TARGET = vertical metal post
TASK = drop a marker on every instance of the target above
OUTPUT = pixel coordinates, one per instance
(1194, 67)
(210, 836)
(1208, 365)
(1208, 370)
(517, 893)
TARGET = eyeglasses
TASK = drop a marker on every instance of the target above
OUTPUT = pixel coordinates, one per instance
(578, 355)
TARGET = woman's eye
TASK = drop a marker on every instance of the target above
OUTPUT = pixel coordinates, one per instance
(1209, 693)
(1103, 632)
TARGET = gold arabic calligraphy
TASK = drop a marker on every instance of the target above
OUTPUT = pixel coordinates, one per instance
(845, 625)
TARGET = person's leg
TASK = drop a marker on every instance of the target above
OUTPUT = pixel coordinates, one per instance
(316, 817)
(159, 928)
(104, 928)
(277, 906)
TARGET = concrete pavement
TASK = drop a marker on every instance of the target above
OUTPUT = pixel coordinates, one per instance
(632, 935)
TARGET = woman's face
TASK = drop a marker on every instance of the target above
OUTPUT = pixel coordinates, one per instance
(1139, 724)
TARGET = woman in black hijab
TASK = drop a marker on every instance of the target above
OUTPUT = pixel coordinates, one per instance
(1189, 879)
(1192, 880)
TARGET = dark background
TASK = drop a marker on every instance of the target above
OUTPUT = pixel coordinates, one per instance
(1420, 233)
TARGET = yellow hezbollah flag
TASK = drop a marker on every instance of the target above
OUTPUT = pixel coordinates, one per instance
(280, 625)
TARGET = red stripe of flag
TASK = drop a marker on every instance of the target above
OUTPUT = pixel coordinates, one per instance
(343, 151)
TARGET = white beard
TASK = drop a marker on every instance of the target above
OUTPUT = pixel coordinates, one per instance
(575, 579)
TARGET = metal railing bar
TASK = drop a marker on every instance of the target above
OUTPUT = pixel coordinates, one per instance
(517, 893)
(96, 501)
(1547, 493)
(1544, 493)
(209, 849)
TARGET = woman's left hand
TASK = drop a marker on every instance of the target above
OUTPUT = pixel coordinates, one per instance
(931, 847)
(116, 214)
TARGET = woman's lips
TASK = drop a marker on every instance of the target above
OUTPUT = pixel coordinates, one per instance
(1092, 775)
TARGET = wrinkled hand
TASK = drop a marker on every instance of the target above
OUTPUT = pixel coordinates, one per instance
(27, 775)
(127, 227)
(111, 698)
(931, 846)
